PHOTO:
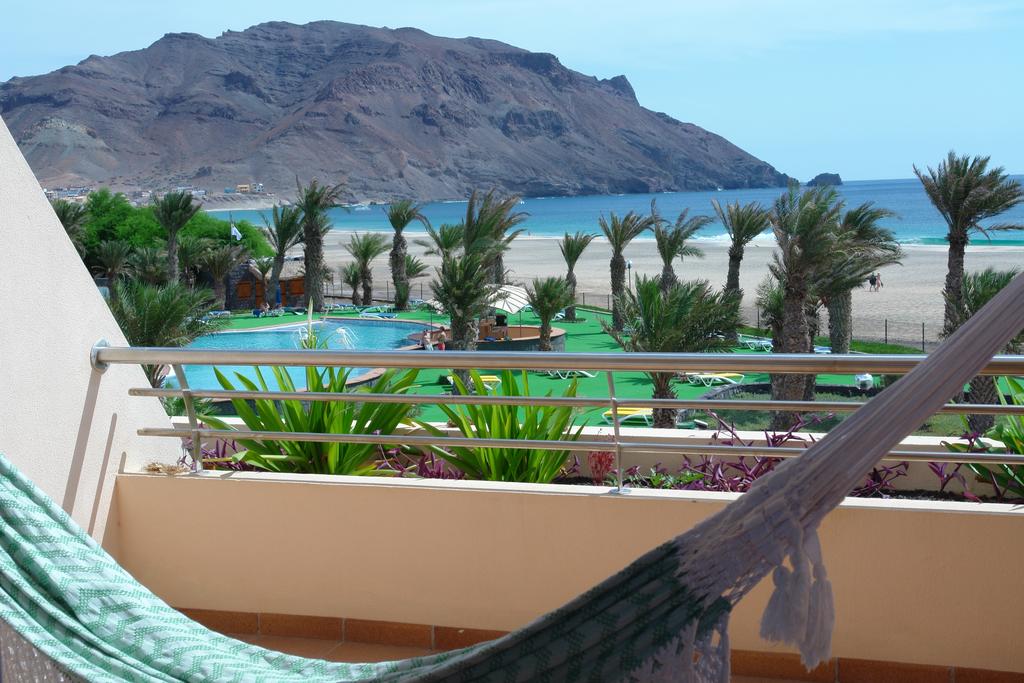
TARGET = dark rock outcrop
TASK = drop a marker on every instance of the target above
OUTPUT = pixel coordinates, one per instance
(823, 179)
(392, 112)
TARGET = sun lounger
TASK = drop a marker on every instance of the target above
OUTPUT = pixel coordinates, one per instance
(712, 378)
(570, 374)
(219, 314)
(823, 349)
(490, 381)
(645, 415)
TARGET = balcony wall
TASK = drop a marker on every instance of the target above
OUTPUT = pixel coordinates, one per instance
(918, 582)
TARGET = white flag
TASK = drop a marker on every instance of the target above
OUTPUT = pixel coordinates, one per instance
(235, 232)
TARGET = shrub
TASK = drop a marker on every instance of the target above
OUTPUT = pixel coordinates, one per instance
(493, 421)
(319, 417)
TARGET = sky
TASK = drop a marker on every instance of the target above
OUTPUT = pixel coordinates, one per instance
(865, 88)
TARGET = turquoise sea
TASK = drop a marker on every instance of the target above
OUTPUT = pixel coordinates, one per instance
(918, 221)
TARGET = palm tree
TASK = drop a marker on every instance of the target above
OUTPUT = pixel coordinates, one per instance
(620, 232)
(572, 248)
(463, 287)
(414, 267)
(548, 296)
(313, 201)
(688, 318)
(400, 214)
(862, 247)
(671, 241)
(443, 241)
(978, 289)
(489, 229)
(283, 231)
(191, 250)
(172, 212)
(170, 315)
(219, 263)
(149, 264)
(114, 259)
(805, 227)
(352, 276)
(73, 217)
(742, 224)
(965, 192)
(364, 248)
(261, 268)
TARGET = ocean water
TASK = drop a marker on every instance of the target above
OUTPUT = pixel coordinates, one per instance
(917, 223)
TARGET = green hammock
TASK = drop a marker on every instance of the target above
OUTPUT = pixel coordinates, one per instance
(69, 612)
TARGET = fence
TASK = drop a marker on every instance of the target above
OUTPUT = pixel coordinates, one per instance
(610, 363)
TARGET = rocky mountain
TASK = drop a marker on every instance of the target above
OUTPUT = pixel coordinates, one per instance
(392, 112)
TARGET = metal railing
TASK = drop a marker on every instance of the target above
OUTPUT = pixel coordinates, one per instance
(103, 355)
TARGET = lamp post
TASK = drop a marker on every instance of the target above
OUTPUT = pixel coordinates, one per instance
(629, 275)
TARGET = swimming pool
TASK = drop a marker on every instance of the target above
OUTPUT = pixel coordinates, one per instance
(363, 335)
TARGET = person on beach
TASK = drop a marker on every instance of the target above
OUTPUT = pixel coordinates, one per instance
(878, 281)
(427, 341)
(442, 337)
(872, 282)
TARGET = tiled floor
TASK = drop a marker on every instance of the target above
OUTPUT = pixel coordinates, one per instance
(365, 652)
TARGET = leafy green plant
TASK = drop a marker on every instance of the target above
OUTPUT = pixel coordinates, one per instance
(318, 417)
(1006, 480)
(507, 422)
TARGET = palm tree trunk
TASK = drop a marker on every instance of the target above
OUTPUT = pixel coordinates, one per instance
(499, 269)
(953, 316)
(172, 257)
(732, 279)
(664, 418)
(398, 272)
(570, 311)
(618, 268)
(545, 335)
(794, 339)
(220, 291)
(275, 281)
(840, 321)
(983, 390)
(314, 246)
(668, 277)
(813, 324)
(356, 299)
(464, 336)
(368, 286)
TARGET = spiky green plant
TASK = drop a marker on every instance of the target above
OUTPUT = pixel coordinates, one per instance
(966, 192)
(364, 248)
(442, 241)
(314, 200)
(400, 214)
(113, 259)
(498, 421)
(173, 211)
(620, 232)
(149, 265)
(489, 229)
(72, 217)
(283, 231)
(463, 286)
(318, 417)
(169, 315)
(742, 223)
(572, 248)
(352, 276)
(191, 250)
(688, 317)
(548, 296)
(219, 262)
(672, 241)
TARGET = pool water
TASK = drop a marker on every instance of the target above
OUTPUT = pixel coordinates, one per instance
(362, 335)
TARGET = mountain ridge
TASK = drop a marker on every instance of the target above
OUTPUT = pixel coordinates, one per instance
(394, 112)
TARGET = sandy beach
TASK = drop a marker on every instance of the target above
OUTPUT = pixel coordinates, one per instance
(911, 295)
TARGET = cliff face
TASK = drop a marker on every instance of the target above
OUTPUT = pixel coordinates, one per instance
(392, 112)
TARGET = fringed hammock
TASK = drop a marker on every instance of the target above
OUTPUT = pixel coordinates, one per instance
(69, 612)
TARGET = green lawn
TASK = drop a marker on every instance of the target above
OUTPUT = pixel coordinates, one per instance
(585, 335)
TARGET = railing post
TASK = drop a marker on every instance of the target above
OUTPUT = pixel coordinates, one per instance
(886, 330)
(922, 336)
(193, 421)
(614, 401)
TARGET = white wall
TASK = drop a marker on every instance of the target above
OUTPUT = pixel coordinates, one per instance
(50, 315)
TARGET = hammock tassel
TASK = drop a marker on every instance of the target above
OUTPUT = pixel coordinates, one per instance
(800, 611)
